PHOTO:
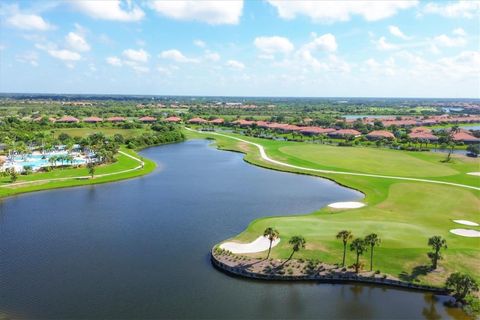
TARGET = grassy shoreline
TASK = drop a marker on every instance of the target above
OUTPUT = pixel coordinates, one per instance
(404, 213)
(115, 172)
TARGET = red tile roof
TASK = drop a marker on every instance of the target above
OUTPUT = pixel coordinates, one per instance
(242, 122)
(345, 132)
(116, 119)
(316, 130)
(197, 120)
(465, 137)
(421, 129)
(422, 136)
(147, 119)
(67, 119)
(173, 119)
(217, 121)
(381, 134)
(92, 119)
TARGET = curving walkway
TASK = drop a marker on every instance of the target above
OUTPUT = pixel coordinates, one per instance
(265, 157)
(16, 184)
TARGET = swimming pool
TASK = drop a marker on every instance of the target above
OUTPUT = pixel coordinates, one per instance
(37, 161)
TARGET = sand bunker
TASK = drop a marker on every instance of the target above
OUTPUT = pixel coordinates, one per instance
(258, 245)
(346, 205)
(467, 223)
(474, 173)
(466, 233)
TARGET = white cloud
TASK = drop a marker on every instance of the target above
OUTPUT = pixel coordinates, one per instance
(372, 63)
(266, 56)
(394, 30)
(77, 42)
(460, 9)
(272, 45)
(114, 61)
(164, 71)
(28, 57)
(65, 55)
(109, 9)
(459, 32)
(235, 64)
(332, 11)
(465, 64)
(383, 45)
(29, 22)
(136, 66)
(200, 43)
(446, 41)
(212, 56)
(140, 69)
(211, 12)
(385, 68)
(136, 55)
(176, 55)
(326, 42)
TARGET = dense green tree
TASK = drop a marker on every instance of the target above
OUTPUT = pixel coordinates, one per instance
(461, 285)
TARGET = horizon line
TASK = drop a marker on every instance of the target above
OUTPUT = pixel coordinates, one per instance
(234, 96)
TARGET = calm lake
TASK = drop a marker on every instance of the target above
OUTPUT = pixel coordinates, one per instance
(140, 248)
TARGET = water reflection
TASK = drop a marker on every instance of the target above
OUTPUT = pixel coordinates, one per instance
(138, 248)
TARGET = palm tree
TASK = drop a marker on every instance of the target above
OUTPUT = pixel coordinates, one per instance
(450, 141)
(297, 242)
(461, 285)
(91, 169)
(53, 160)
(272, 235)
(437, 243)
(344, 235)
(372, 240)
(359, 246)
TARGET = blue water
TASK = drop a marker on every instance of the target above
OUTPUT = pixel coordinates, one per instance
(38, 161)
(139, 249)
(357, 116)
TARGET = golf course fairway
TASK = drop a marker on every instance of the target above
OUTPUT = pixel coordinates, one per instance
(404, 213)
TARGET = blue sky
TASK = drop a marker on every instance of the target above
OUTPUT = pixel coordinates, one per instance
(252, 48)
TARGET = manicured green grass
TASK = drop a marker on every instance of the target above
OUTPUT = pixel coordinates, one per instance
(382, 161)
(449, 125)
(403, 213)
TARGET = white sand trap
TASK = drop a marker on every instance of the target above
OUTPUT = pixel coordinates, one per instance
(258, 245)
(467, 223)
(346, 205)
(474, 173)
(466, 233)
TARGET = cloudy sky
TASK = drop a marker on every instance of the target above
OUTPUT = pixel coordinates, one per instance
(254, 48)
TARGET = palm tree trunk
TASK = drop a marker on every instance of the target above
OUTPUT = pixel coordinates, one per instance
(269, 249)
(289, 258)
(356, 264)
(344, 252)
(371, 259)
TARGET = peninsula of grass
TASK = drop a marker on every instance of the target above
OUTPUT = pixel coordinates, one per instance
(124, 167)
(404, 214)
